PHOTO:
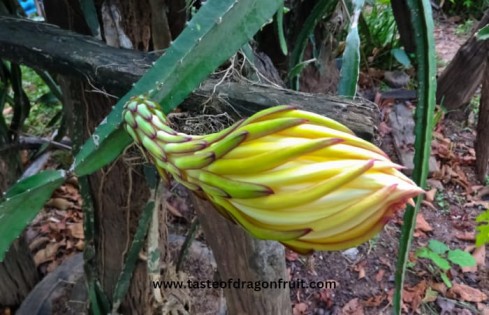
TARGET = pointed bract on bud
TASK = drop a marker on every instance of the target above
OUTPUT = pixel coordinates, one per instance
(282, 174)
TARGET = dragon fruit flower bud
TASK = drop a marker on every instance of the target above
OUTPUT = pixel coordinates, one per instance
(283, 174)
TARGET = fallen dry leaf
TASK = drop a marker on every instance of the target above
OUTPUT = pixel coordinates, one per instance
(414, 295)
(430, 295)
(421, 224)
(483, 308)
(477, 203)
(360, 268)
(300, 309)
(361, 273)
(80, 245)
(379, 275)
(465, 236)
(374, 301)
(290, 255)
(174, 210)
(479, 255)
(47, 254)
(430, 195)
(384, 129)
(326, 296)
(439, 287)
(466, 293)
(385, 262)
(353, 307)
(429, 205)
(38, 242)
(76, 230)
(59, 203)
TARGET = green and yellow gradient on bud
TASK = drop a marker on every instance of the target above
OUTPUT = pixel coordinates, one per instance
(283, 174)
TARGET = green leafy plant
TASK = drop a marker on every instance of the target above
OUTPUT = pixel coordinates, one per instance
(464, 28)
(483, 229)
(466, 8)
(441, 203)
(442, 259)
(379, 37)
(322, 10)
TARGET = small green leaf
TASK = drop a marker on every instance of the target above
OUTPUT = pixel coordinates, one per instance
(22, 203)
(442, 263)
(461, 258)
(438, 247)
(483, 217)
(445, 279)
(483, 33)
(401, 57)
(482, 235)
(425, 252)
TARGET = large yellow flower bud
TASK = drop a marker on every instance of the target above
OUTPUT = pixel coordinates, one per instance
(283, 174)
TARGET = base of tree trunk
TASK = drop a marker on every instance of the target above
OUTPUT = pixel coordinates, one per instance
(18, 274)
(240, 257)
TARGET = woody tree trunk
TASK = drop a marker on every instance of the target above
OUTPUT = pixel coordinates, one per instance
(118, 191)
(18, 273)
(467, 66)
(482, 139)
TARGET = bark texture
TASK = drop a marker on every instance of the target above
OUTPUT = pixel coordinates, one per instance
(482, 138)
(468, 67)
(241, 257)
(118, 191)
(115, 70)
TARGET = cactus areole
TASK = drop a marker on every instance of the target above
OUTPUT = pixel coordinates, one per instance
(282, 174)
